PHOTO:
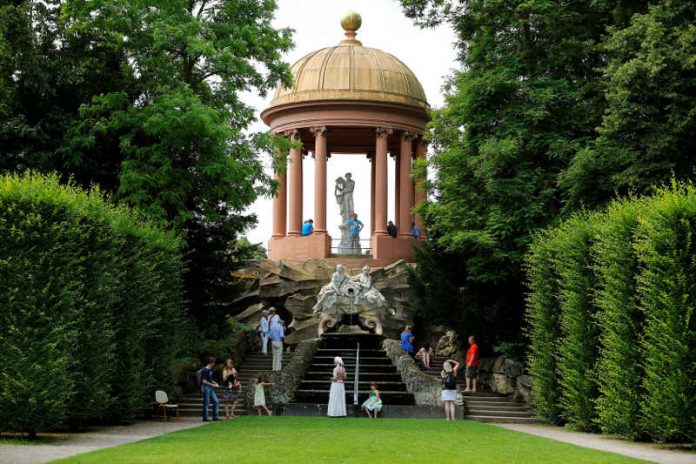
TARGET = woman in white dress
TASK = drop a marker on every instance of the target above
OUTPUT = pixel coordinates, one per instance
(337, 394)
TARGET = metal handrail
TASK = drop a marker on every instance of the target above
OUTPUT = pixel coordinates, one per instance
(357, 375)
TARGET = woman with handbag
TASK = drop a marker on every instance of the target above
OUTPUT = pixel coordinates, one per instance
(230, 388)
(449, 386)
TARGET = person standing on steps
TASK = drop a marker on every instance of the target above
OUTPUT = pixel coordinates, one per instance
(277, 335)
(337, 394)
(449, 386)
(472, 359)
(263, 332)
(207, 389)
(355, 226)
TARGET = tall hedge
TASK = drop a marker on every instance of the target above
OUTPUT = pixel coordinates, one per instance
(667, 290)
(543, 327)
(619, 317)
(91, 312)
(611, 318)
(577, 347)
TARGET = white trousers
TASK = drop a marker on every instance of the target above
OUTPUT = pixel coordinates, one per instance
(277, 346)
(264, 342)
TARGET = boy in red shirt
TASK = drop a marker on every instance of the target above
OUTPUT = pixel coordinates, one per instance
(472, 358)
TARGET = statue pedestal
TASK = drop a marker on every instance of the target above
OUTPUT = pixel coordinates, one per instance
(315, 246)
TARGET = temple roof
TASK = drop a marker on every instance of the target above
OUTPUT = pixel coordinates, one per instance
(350, 71)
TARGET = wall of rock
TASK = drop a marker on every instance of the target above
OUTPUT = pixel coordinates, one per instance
(425, 388)
(505, 376)
(292, 287)
(286, 381)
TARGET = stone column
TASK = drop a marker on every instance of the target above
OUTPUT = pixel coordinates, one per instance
(295, 189)
(371, 157)
(420, 195)
(381, 181)
(280, 202)
(406, 191)
(320, 157)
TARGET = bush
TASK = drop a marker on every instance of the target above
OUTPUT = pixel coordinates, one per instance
(616, 267)
(543, 327)
(577, 346)
(90, 306)
(611, 318)
(667, 291)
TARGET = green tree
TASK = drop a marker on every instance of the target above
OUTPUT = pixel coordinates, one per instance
(527, 98)
(185, 157)
(647, 133)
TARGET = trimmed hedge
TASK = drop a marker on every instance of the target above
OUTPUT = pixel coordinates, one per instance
(611, 318)
(91, 310)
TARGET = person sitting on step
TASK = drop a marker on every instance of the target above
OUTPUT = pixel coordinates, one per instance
(373, 405)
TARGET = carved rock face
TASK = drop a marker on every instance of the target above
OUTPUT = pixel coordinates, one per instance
(293, 287)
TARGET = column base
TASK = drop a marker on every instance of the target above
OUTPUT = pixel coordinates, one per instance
(298, 248)
(385, 247)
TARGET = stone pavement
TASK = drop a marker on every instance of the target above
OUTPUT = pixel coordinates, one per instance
(645, 451)
(97, 438)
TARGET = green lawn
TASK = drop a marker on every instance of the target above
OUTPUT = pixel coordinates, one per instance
(304, 440)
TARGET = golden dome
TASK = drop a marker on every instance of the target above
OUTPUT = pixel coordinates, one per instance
(350, 71)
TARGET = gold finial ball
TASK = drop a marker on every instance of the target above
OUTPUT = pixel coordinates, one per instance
(351, 21)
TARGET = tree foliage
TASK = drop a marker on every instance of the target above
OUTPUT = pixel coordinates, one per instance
(647, 133)
(143, 98)
(527, 97)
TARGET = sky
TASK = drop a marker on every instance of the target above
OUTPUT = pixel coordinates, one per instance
(430, 54)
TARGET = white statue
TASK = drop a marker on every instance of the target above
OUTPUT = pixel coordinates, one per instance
(343, 191)
(351, 296)
(367, 292)
(328, 293)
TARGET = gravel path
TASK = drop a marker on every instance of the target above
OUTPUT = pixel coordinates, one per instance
(643, 451)
(98, 438)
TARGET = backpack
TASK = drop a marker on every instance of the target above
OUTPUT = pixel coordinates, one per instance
(450, 383)
(199, 376)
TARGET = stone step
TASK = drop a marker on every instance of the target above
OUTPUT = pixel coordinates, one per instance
(498, 406)
(502, 419)
(498, 413)
(486, 399)
(362, 385)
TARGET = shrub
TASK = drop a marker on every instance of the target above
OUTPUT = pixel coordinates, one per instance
(90, 306)
(542, 327)
(616, 267)
(577, 346)
(667, 291)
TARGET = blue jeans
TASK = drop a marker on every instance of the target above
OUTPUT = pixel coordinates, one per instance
(208, 395)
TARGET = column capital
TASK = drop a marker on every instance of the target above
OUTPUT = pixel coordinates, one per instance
(406, 135)
(318, 130)
(292, 134)
(383, 132)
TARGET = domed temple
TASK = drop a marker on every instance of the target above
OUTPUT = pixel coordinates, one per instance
(355, 100)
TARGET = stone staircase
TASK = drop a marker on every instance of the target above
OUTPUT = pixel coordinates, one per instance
(375, 366)
(486, 406)
(191, 404)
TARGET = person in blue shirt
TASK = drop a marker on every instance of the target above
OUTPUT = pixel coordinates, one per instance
(277, 334)
(207, 389)
(415, 231)
(355, 226)
(307, 228)
(407, 341)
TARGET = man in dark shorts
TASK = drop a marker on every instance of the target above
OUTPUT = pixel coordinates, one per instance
(472, 359)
